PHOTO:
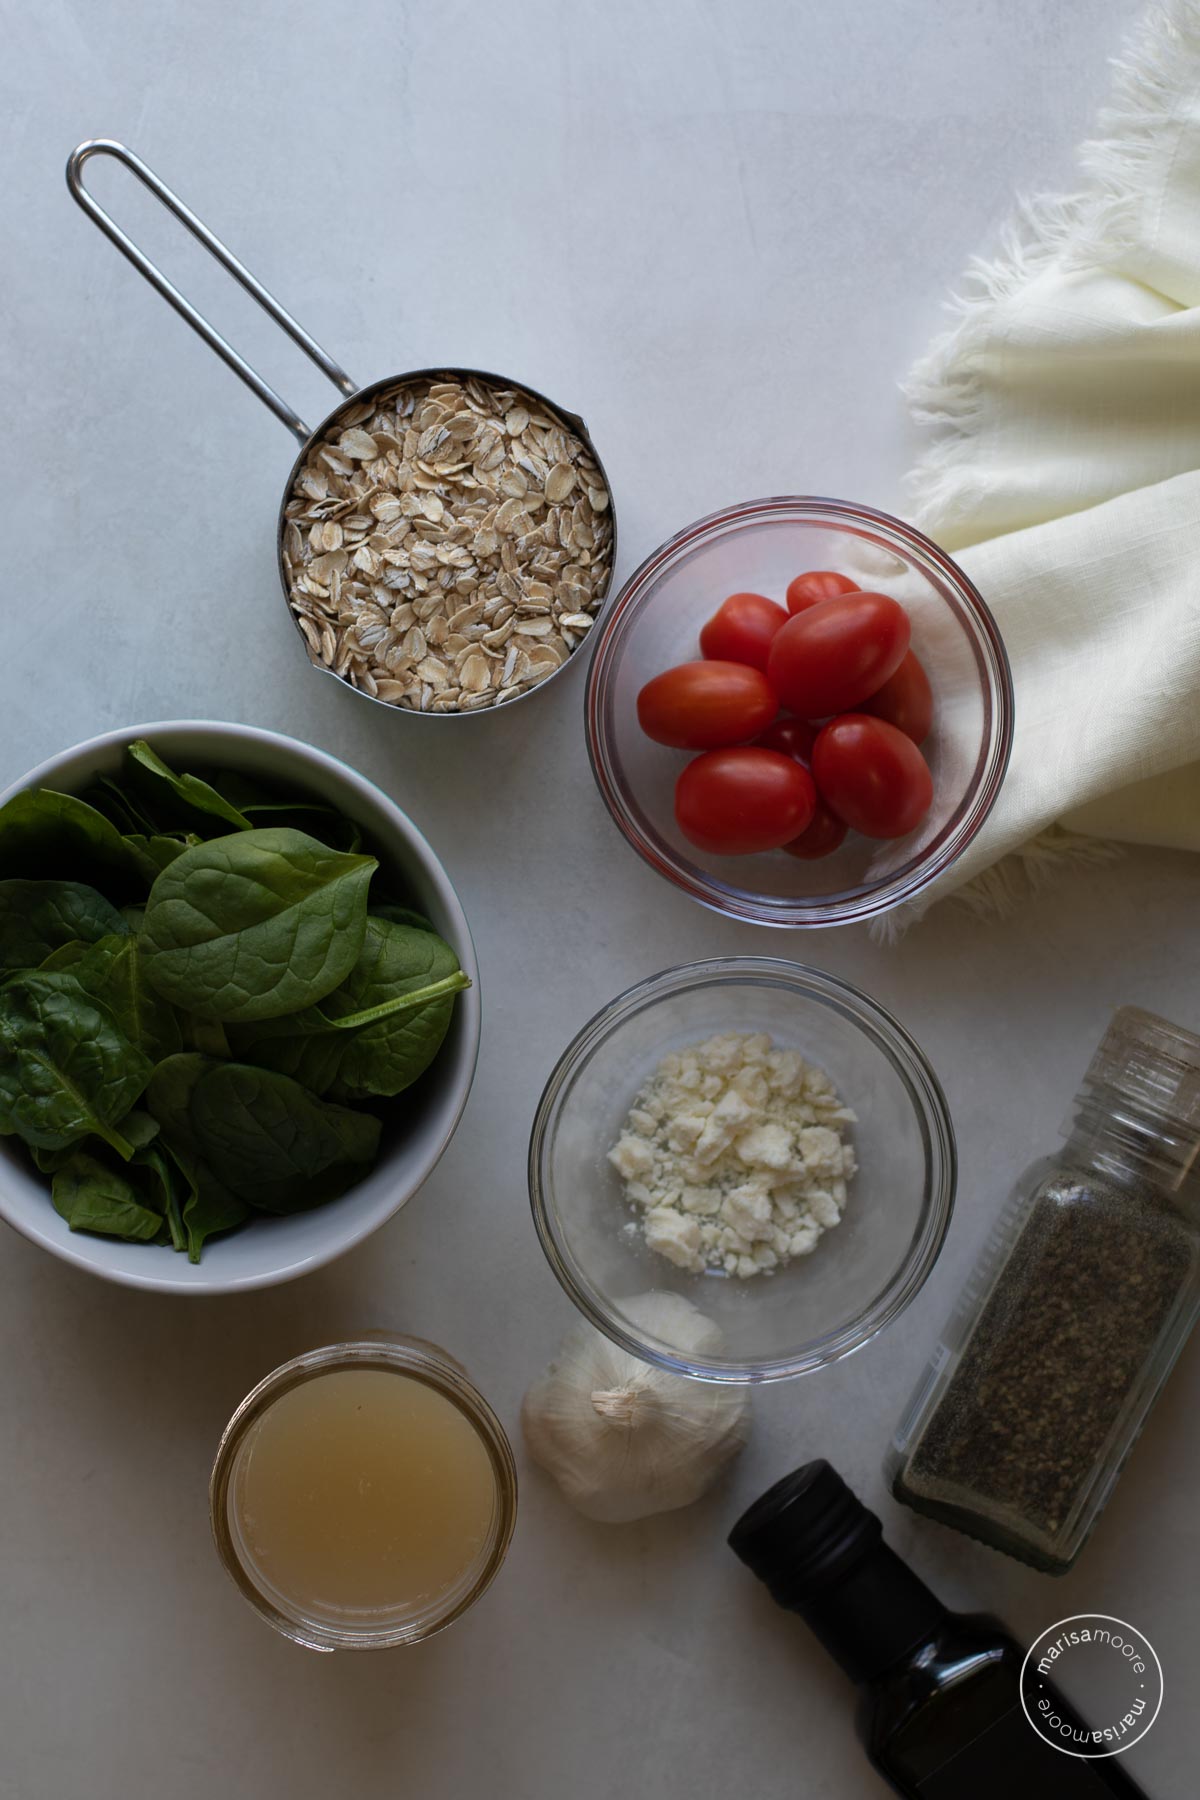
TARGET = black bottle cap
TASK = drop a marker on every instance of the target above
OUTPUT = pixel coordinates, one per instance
(805, 1533)
(821, 1554)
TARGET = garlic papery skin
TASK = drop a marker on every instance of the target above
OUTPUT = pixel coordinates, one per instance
(624, 1439)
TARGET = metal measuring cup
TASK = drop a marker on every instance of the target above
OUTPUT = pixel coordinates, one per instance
(352, 395)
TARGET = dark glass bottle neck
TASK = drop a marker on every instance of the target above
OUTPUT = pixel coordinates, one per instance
(873, 1616)
(821, 1553)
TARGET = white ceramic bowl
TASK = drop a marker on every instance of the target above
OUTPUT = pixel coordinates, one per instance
(270, 1250)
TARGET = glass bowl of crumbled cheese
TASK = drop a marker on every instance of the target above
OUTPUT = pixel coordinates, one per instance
(759, 1137)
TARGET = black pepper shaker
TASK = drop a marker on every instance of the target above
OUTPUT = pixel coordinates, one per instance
(1072, 1320)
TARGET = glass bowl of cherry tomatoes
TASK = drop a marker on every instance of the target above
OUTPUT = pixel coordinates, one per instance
(799, 711)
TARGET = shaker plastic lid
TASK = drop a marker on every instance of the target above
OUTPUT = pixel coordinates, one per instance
(805, 1533)
(1151, 1063)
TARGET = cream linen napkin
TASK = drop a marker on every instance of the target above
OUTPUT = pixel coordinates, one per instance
(1064, 475)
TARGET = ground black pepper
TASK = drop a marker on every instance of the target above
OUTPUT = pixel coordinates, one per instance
(1064, 1339)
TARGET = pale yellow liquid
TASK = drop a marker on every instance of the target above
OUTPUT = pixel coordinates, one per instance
(362, 1491)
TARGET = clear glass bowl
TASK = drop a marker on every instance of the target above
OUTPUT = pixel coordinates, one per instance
(655, 622)
(863, 1272)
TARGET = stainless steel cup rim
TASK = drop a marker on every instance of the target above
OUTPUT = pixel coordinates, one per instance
(371, 392)
(351, 395)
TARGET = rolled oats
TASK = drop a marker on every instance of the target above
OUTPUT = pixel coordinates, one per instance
(447, 544)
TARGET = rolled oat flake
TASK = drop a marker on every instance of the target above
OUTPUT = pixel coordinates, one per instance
(1073, 1319)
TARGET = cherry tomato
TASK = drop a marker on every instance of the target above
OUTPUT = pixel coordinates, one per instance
(818, 584)
(905, 700)
(741, 630)
(836, 653)
(791, 737)
(706, 705)
(733, 802)
(824, 834)
(872, 776)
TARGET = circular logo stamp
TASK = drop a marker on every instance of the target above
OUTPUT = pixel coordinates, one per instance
(1091, 1685)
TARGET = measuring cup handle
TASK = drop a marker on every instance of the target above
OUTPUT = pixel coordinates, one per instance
(172, 295)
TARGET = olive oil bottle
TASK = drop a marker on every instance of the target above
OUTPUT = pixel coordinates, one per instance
(940, 1709)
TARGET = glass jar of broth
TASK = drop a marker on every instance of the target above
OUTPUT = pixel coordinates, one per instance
(363, 1495)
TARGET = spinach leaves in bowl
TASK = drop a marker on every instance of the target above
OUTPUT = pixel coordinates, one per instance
(208, 1008)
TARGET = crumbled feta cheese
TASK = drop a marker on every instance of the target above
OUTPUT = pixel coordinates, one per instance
(747, 1210)
(821, 1149)
(727, 1120)
(824, 1208)
(801, 1242)
(696, 1199)
(734, 1155)
(673, 1235)
(685, 1129)
(766, 1147)
(632, 1156)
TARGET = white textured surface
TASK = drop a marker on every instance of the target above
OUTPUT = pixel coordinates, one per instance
(722, 234)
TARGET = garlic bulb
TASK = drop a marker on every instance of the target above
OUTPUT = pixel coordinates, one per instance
(623, 1439)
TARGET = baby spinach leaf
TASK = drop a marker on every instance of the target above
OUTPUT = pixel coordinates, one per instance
(209, 1207)
(39, 917)
(48, 1161)
(377, 1032)
(95, 1192)
(249, 795)
(263, 806)
(170, 1095)
(49, 836)
(398, 1003)
(157, 853)
(275, 1144)
(65, 957)
(392, 1048)
(206, 1035)
(140, 1128)
(255, 925)
(114, 973)
(66, 1068)
(92, 1197)
(137, 1128)
(144, 848)
(169, 1098)
(304, 1046)
(325, 822)
(169, 1189)
(173, 1192)
(399, 915)
(118, 806)
(183, 800)
(344, 833)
